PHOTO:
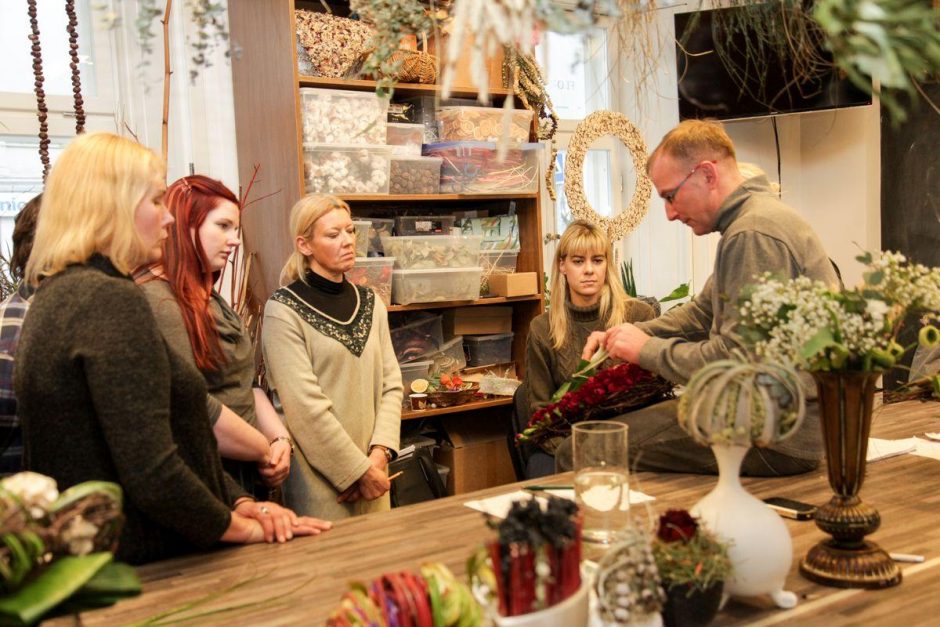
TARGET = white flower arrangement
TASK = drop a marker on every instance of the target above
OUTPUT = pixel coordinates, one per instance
(807, 324)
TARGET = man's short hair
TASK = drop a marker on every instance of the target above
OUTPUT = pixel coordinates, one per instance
(24, 230)
(694, 141)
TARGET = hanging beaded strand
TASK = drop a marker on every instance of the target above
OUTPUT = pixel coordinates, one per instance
(41, 110)
(72, 29)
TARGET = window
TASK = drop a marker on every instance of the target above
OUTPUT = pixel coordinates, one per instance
(577, 81)
(20, 179)
(16, 80)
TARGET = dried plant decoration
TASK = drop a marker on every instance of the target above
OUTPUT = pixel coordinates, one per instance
(523, 74)
(594, 126)
(41, 111)
(334, 43)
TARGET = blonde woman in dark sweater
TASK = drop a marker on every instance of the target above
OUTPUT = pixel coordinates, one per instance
(101, 395)
(586, 296)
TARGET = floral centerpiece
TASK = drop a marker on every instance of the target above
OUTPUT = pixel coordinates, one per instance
(627, 584)
(693, 566)
(593, 395)
(810, 325)
(55, 549)
(846, 338)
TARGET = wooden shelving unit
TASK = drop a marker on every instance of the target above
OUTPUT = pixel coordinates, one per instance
(269, 134)
(401, 89)
(457, 409)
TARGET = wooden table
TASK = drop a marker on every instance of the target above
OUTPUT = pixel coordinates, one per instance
(303, 580)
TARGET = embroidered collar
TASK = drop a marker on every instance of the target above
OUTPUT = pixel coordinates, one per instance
(353, 333)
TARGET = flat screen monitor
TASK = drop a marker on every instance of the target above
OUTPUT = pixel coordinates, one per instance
(718, 78)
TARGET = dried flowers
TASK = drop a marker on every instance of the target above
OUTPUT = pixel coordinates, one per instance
(687, 553)
(810, 325)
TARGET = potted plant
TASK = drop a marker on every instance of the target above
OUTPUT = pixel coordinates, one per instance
(846, 338)
(693, 566)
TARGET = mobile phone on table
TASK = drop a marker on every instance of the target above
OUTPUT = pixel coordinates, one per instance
(788, 508)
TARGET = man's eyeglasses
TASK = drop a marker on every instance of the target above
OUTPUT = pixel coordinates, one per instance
(670, 196)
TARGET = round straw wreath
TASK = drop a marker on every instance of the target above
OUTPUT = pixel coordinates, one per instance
(597, 125)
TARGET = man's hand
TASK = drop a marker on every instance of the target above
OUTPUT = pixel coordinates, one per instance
(595, 341)
(625, 342)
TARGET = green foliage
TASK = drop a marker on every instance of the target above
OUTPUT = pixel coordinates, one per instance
(895, 43)
(209, 17)
(393, 20)
(629, 284)
(701, 561)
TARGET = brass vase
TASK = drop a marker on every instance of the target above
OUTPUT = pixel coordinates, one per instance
(847, 560)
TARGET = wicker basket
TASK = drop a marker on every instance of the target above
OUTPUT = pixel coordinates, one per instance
(447, 398)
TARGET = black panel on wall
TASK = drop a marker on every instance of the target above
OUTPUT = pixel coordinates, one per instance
(910, 194)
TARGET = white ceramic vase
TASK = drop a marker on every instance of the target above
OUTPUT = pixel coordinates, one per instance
(760, 547)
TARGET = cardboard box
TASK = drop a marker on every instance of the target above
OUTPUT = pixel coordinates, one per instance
(477, 321)
(477, 454)
(516, 284)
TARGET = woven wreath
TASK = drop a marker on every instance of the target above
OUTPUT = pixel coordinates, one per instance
(592, 127)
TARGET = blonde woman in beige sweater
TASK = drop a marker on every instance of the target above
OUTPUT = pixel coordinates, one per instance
(329, 358)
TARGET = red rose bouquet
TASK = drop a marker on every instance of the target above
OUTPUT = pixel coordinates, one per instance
(590, 396)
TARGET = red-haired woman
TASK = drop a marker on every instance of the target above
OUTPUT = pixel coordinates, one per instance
(199, 325)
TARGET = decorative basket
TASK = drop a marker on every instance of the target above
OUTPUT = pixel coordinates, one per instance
(417, 66)
(448, 398)
(333, 43)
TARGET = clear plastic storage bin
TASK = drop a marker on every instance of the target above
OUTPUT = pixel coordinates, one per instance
(449, 358)
(496, 262)
(417, 338)
(411, 371)
(362, 237)
(412, 252)
(406, 138)
(483, 350)
(473, 168)
(415, 175)
(333, 116)
(346, 169)
(380, 227)
(483, 124)
(408, 226)
(374, 272)
(435, 285)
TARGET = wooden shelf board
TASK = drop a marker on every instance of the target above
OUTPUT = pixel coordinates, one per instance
(495, 300)
(371, 198)
(440, 411)
(411, 89)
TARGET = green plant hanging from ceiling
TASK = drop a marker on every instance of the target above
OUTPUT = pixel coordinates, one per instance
(896, 43)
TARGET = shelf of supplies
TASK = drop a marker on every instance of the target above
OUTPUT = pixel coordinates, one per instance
(440, 411)
(403, 89)
(495, 300)
(371, 198)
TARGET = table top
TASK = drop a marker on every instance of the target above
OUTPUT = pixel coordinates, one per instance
(301, 582)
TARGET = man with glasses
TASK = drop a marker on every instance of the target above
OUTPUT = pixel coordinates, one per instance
(695, 171)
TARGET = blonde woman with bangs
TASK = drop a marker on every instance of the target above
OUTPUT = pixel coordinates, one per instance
(329, 358)
(586, 296)
(100, 394)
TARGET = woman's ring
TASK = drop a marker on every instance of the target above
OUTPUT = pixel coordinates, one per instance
(265, 510)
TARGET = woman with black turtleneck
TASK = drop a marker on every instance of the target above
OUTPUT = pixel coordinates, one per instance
(330, 360)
